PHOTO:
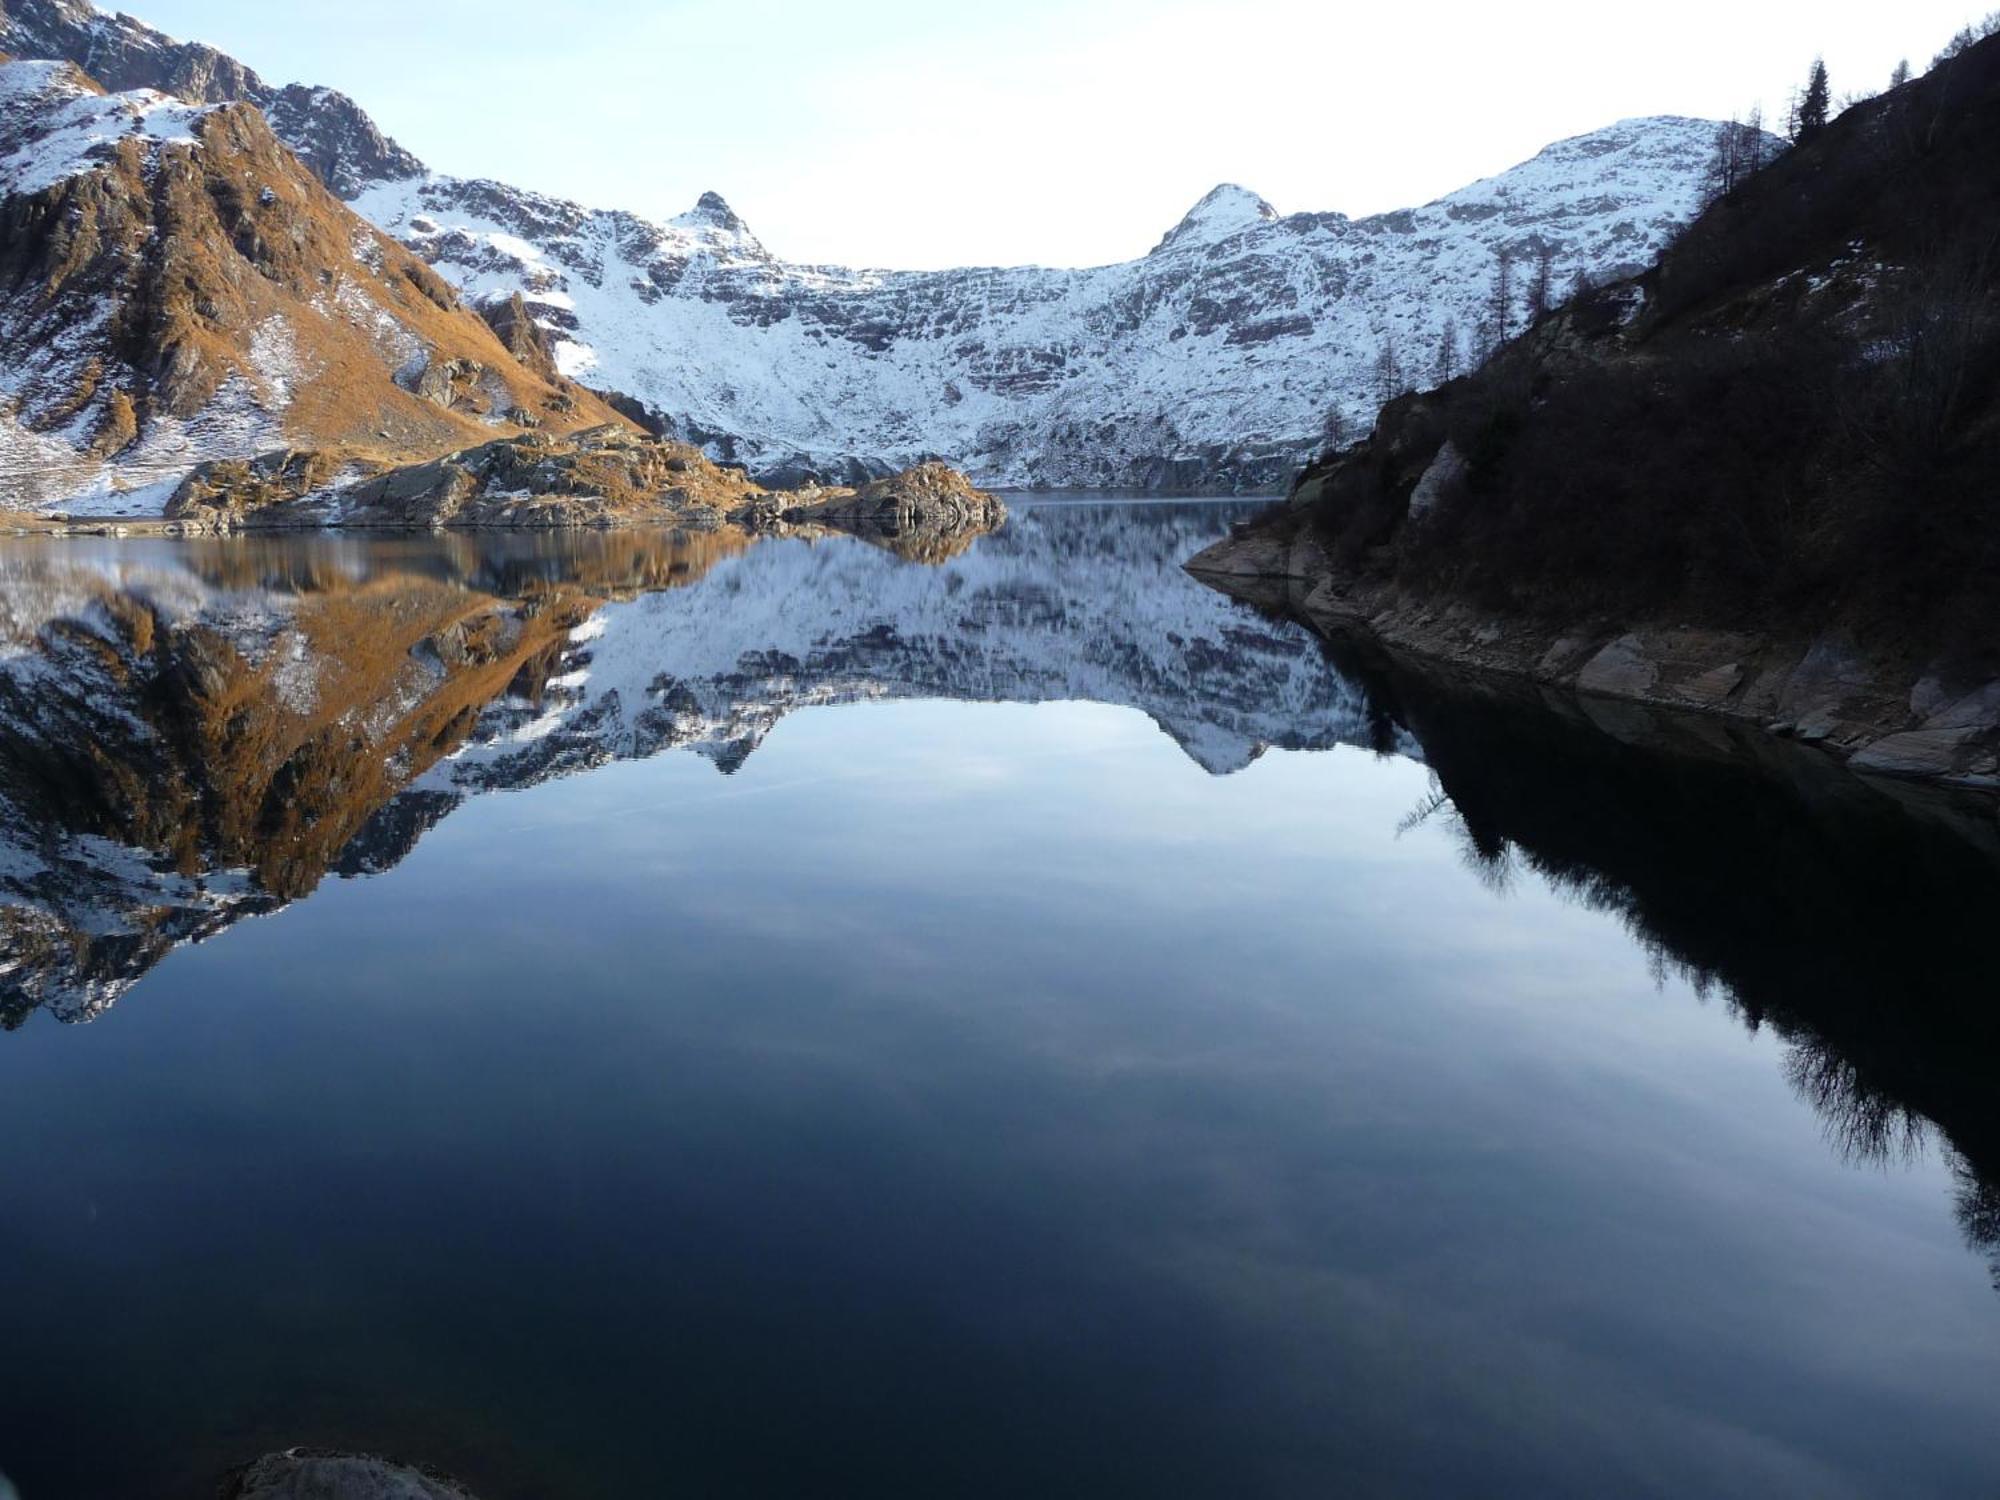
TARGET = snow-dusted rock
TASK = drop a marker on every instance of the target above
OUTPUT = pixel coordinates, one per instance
(316, 1474)
(327, 129)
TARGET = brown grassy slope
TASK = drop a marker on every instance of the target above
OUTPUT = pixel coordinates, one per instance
(194, 252)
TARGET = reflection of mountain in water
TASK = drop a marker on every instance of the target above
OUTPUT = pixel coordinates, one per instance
(1081, 603)
(192, 733)
(196, 733)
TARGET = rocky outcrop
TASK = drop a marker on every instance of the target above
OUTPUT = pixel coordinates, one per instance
(928, 512)
(322, 1474)
(521, 336)
(176, 286)
(608, 476)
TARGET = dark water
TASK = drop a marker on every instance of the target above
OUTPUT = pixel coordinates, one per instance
(677, 1019)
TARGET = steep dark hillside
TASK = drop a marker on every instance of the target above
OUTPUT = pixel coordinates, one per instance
(1780, 446)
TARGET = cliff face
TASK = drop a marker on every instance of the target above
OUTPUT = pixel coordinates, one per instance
(1758, 478)
(174, 286)
(1212, 364)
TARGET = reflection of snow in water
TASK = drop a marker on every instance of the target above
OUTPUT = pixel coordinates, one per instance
(1067, 603)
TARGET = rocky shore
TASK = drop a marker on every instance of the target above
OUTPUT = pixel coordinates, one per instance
(606, 478)
(1884, 713)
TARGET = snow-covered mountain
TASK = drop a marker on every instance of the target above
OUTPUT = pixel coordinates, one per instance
(1216, 360)
(190, 735)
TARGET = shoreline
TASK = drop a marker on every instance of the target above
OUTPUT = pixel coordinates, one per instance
(1878, 717)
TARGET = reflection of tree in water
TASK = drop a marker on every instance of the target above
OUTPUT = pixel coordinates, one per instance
(1854, 920)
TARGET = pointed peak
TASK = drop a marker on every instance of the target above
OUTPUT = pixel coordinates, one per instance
(1223, 211)
(717, 225)
(713, 211)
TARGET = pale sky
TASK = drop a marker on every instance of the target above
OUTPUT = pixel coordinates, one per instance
(924, 133)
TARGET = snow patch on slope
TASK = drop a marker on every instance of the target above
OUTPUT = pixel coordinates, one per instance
(54, 126)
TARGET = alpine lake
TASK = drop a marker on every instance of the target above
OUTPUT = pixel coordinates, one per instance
(640, 1015)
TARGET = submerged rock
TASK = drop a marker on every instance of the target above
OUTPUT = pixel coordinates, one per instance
(317, 1474)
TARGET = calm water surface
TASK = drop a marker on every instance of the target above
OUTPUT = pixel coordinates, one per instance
(677, 1018)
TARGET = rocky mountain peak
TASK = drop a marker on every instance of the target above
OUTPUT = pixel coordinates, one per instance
(719, 226)
(1181, 369)
(1223, 211)
(714, 209)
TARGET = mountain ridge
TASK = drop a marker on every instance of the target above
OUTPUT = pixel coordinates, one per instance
(1219, 361)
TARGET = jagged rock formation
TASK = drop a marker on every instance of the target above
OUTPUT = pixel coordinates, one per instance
(1757, 479)
(1217, 361)
(175, 286)
(186, 743)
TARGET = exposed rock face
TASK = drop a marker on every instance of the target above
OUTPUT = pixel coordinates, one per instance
(1863, 710)
(175, 286)
(1218, 362)
(523, 337)
(315, 1474)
